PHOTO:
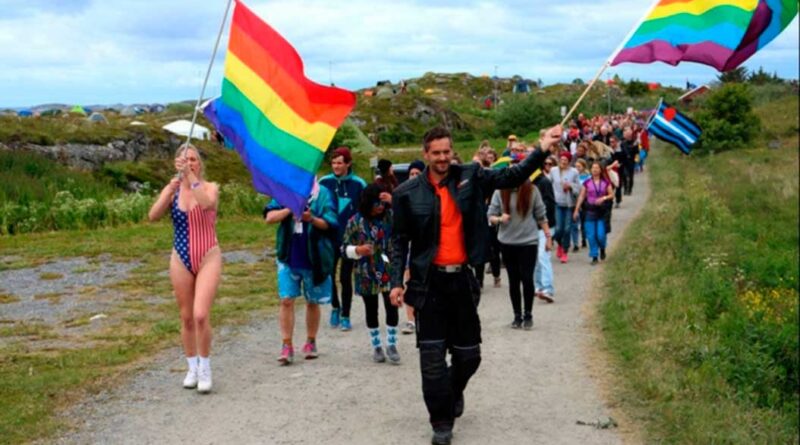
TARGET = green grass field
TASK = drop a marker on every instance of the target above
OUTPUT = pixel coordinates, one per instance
(701, 305)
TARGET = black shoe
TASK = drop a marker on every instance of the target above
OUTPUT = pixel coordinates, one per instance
(576, 248)
(527, 324)
(617, 205)
(583, 243)
(594, 261)
(458, 407)
(516, 324)
(602, 254)
(442, 436)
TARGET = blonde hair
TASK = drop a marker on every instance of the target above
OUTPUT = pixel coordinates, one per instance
(187, 146)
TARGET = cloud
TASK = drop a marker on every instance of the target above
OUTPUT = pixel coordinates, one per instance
(87, 51)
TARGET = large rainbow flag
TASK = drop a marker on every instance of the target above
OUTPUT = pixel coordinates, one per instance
(719, 33)
(279, 121)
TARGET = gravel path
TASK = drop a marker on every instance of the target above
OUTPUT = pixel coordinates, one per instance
(532, 387)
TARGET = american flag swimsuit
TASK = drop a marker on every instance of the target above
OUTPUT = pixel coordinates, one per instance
(195, 233)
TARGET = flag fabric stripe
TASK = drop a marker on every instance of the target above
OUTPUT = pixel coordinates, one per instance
(279, 121)
(286, 57)
(719, 33)
(678, 129)
(262, 130)
(287, 87)
(274, 108)
(663, 135)
(285, 178)
(681, 119)
(674, 129)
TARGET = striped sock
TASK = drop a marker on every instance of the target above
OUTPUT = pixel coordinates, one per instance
(375, 337)
(391, 335)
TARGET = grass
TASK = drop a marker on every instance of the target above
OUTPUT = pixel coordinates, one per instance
(49, 276)
(37, 383)
(701, 304)
(6, 299)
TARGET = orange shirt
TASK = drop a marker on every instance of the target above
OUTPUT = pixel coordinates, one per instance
(451, 233)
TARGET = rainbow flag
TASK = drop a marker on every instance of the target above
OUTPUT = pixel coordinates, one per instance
(719, 33)
(279, 121)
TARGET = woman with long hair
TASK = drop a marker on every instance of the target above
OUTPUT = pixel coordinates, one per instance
(596, 192)
(517, 213)
(195, 266)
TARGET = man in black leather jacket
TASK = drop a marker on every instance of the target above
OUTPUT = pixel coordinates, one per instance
(440, 216)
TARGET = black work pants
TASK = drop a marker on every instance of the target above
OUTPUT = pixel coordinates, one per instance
(448, 320)
(520, 263)
(627, 184)
(346, 279)
(494, 258)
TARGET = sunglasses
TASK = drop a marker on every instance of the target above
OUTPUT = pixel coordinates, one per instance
(378, 205)
(549, 163)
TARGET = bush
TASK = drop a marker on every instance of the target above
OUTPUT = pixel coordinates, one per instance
(525, 115)
(636, 88)
(727, 119)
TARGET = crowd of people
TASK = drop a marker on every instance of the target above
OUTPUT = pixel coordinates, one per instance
(404, 244)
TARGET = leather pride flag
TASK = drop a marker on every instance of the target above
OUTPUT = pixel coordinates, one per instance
(670, 125)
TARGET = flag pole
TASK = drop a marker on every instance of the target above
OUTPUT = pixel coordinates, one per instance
(609, 60)
(653, 114)
(208, 71)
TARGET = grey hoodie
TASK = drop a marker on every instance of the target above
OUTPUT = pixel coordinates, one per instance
(558, 178)
(521, 230)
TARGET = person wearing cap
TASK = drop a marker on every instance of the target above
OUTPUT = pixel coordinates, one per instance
(346, 189)
(434, 214)
(566, 188)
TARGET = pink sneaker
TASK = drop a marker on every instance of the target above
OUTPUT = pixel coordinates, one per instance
(564, 258)
(310, 351)
(559, 252)
(287, 355)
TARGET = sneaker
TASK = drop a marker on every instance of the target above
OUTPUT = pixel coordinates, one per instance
(546, 297)
(204, 380)
(594, 261)
(564, 258)
(559, 252)
(345, 324)
(409, 328)
(442, 436)
(378, 355)
(310, 351)
(516, 324)
(602, 254)
(527, 324)
(190, 381)
(335, 318)
(583, 243)
(616, 205)
(394, 356)
(287, 355)
(576, 248)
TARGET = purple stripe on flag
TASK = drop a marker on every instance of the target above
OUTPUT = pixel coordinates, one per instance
(749, 44)
(707, 53)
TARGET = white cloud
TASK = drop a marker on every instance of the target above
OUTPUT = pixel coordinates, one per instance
(145, 51)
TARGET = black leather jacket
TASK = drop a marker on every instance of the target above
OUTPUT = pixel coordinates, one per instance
(417, 211)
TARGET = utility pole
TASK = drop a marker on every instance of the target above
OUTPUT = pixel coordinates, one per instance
(608, 84)
(495, 87)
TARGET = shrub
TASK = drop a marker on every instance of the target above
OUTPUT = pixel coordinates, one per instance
(636, 88)
(523, 115)
(727, 119)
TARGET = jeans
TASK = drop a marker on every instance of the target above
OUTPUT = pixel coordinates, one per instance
(564, 224)
(543, 274)
(575, 236)
(596, 234)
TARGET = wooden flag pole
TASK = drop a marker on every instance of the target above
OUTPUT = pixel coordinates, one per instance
(609, 60)
(208, 72)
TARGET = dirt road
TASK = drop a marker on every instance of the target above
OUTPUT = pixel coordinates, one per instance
(532, 387)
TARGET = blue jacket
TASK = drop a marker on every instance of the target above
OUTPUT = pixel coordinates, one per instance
(346, 191)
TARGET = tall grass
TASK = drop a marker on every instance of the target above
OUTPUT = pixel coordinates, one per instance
(701, 313)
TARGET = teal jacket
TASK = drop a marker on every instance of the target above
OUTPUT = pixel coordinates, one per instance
(320, 242)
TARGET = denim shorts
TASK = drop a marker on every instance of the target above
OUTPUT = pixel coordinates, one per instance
(289, 284)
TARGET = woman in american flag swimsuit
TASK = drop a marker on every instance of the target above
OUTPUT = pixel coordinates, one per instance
(196, 263)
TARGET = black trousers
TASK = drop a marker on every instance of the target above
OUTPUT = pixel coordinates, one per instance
(627, 183)
(520, 263)
(346, 279)
(448, 320)
(371, 310)
(494, 258)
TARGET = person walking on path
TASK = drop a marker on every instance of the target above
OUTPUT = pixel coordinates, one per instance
(565, 188)
(305, 257)
(543, 272)
(630, 146)
(195, 266)
(367, 240)
(415, 169)
(596, 191)
(516, 212)
(434, 214)
(346, 189)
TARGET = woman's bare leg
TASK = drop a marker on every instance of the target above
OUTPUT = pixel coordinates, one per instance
(183, 286)
(205, 289)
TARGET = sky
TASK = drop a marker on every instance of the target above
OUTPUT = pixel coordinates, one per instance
(147, 51)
